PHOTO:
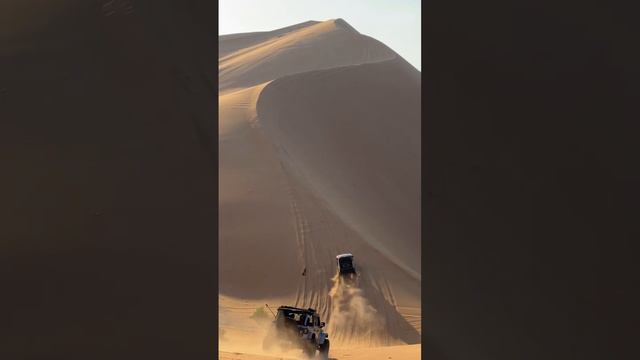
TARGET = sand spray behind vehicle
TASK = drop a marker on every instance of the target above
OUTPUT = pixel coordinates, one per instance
(239, 334)
(353, 319)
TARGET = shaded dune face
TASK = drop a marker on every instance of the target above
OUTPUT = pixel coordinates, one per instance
(319, 155)
(354, 132)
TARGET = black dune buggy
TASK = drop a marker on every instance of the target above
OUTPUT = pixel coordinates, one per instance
(345, 265)
(300, 328)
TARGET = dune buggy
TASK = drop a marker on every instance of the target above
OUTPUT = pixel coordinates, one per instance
(345, 265)
(299, 328)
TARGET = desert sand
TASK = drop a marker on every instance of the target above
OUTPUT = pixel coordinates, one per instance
(319, 154)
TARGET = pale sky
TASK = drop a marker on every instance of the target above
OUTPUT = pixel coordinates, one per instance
(394, 22)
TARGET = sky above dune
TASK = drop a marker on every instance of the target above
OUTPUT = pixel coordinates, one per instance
(394, 22)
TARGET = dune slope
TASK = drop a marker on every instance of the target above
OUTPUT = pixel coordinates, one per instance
(354, 133)
(232, 42)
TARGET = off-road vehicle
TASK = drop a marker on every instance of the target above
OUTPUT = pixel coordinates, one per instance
(299, 328)
(345, 265)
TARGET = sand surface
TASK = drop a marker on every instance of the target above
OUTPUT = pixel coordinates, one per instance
(319, 154)
(371, 353)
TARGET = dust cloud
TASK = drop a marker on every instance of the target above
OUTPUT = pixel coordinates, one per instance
(353, 319)
(248, 336)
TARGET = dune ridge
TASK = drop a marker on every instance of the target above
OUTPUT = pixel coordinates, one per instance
(232, 42)
(315, 46)
(319, 154)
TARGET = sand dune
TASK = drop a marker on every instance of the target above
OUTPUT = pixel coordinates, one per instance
(319, 154)
(311, 46)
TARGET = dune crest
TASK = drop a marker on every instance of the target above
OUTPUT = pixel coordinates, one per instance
(315, 46)
(232, 42)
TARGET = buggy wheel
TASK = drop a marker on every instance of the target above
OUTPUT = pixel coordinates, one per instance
(324, 350)
(309, 350)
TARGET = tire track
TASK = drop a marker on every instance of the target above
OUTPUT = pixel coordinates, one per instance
(300, 229)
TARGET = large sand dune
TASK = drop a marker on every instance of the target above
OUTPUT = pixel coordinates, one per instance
(319, 154)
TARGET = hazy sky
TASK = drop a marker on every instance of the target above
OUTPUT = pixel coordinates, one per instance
(394, 22)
